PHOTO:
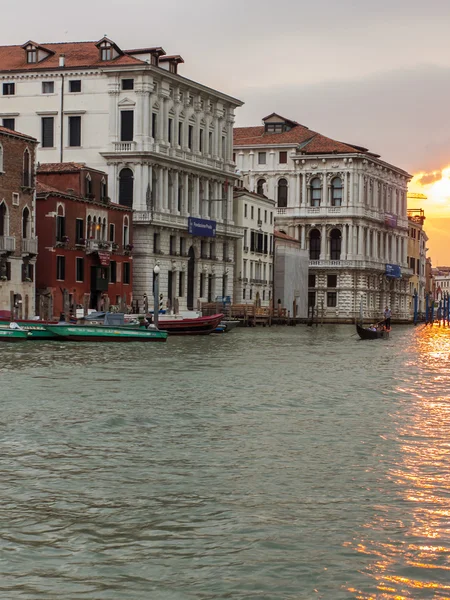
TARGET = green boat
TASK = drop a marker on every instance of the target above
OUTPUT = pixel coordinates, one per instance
(13, 335)
(105, 333)
(36, 329)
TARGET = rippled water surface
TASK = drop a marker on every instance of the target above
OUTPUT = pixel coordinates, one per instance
(283, 463)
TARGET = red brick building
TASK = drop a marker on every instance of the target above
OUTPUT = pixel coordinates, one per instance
(18, 244)
(85, 242)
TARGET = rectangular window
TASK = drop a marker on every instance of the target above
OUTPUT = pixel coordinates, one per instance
(126, 273)
(156, 243)
(9, 89)
(112, 232)
(283, 158)
(180, 134)
(332, 281)
(332, 299)
(15, 201)
(48, 87)
(181, 284)
(27, 271)
(112, 271)
(190, 136)
(169, 130)
(311, 280)
(75, 131)
(48, 126)
(311, 299)
(271, 218)
(60, 268)
(245, 210)
(182, 246)
(60, 228)
(224, 146)
(172, 244)
(259, 214)
(31, 56)
(265, 216)
(128, 84)
(79, 231)
(106, 53)
(79, 267)
(126, 125)
(252, 212)
(200, 141)
(154, 125)
(75, 86)
(9, 124)
(210, 142)
(243, 294)
(261, 158)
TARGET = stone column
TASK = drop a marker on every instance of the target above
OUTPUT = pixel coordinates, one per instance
(304, 192)
(196, 197)
(368, 232)
(344, 243)
(352, 189)
(185, 194)
(355, 241)
(360, 189)
(323, 243)
(161, 120)
(166, 198)
(303, 237)
(205, 209)
(175, 192)
(345, 190)
(113, 93)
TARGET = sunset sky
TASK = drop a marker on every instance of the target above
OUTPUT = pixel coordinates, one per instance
(375, 74)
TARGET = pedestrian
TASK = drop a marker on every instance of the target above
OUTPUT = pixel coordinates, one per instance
(387, 317)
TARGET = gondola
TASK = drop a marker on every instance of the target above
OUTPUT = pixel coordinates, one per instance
(367, 334)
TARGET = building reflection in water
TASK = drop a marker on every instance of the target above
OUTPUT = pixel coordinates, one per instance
(408, 539)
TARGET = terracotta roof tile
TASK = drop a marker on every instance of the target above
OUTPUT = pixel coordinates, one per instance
(77, 55)
(43, 189)
(69, 167)
(308, 141)
(17, 134)
(283, 236)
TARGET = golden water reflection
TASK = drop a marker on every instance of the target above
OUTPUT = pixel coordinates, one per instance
(411, 557)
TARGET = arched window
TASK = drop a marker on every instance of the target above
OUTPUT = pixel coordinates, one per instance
(314, 244)
(60, 223)
(126, 188)
(104, 230)
(126, 231)
(26, 223)
(316, 192)
(88, 186)
(90, 234)
(336, 192)
(282, 195)
(3, 219)
(260, 186)
(335, 244)
(26, 169)
(1, 158)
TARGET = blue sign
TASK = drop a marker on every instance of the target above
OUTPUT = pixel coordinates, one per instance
(201, 227)
(393, 271)
(223, 299)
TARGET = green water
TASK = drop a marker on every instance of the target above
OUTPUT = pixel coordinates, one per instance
(283, 463)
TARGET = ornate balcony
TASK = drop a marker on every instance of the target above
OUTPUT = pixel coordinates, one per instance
(124, 146)
(30, 246)
(7, 243)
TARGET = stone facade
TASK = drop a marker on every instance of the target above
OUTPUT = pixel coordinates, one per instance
(347, 208)
(417, 258)
(165, 141)
(254, 251)
(18, 243)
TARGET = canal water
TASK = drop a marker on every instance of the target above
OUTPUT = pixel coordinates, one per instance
(282, 463)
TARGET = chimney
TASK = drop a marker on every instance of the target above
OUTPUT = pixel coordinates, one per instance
(62, 60)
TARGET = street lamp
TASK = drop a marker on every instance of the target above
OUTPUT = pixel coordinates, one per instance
(156, 271)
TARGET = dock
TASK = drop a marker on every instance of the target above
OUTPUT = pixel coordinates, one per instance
(250, 315)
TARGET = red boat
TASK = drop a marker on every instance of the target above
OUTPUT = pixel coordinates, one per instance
(185, 326)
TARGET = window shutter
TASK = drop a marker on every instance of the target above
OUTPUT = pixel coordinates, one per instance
(74, 131)
(127, 126)
(47, 132)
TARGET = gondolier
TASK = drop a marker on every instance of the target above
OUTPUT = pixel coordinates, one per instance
(387, 317)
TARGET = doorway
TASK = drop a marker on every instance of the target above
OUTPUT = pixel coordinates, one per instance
(191, 279)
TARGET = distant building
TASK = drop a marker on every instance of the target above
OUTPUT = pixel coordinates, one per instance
(165, 141)
(254, 251)
(345, 205)
(85, 256)
(18, 243)
(291, 276)
(429, 278)
(417, 256)
(441, 281)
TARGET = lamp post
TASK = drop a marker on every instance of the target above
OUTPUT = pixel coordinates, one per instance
(156, 271)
